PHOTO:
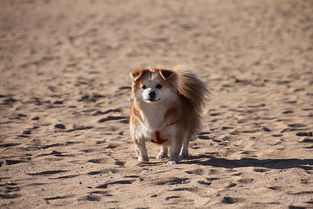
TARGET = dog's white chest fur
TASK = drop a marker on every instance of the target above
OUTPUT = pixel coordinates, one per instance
(152, 121)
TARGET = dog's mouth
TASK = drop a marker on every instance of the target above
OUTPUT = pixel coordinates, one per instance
(150, 100)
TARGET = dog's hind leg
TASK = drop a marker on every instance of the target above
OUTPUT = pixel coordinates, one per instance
(141, 151)
(163, 152)
(184, 150)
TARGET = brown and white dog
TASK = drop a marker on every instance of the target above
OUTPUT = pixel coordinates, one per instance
(166, 110)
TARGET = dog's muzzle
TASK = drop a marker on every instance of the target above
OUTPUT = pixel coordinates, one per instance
(152, 96)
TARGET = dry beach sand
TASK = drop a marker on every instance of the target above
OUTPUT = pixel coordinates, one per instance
(65, 97)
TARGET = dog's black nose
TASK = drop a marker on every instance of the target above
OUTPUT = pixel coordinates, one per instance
(152, 94)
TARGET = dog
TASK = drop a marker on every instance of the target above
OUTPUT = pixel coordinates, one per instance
(166, 110)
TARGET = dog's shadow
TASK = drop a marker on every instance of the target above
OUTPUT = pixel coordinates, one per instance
(206, 160)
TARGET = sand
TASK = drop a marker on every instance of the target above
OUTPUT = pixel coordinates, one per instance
(65, 98)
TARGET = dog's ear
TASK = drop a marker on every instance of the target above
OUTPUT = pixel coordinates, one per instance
(166, 74)
(136, 74)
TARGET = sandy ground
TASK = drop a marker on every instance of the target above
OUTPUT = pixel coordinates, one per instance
(65, 97)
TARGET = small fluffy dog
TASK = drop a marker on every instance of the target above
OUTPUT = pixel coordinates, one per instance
(166, 110)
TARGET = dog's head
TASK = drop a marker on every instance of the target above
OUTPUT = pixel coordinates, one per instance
(154, 85)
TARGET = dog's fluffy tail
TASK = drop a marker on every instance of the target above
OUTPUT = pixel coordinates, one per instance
(192, 88)
(195, 93)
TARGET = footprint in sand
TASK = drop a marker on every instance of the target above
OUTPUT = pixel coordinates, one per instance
(8, 101)
(189, 189)
(117, 110)
(172, 181)
(121, 119)
(120, 163)
(204, 135)
(90, 198)
(260, 170)
(12, 162)
(8, 189)
(44, 173)
(304, 134)
(226, 128)
(296, 207)
(265, 129)
(5, 145)
(102, 193)
(91, 98)
(230, 200)
(206, 183)
(172, 197)
(35, 118)
(102, 172)
(245, 180)
(198, 171)
(104, 186)
(213, 171)
(27, 132)
(231, 185)
(287, 112)
(67, 176)
(57, 197)
(212, 178)
(112, 146)
(59, 126)
(80, 128)
(307, 140)
(296, 125)
(9, 196)
(23, 136)
(98, 161)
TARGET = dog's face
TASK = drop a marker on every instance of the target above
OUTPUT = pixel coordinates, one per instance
(151, 89)
(153, 86)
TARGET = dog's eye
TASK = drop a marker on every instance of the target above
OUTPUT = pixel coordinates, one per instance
(158, 86)
(143, 87)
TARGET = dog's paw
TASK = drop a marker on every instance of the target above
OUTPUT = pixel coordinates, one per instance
(184, 156)
(143, 159)
(172, 162)
(162, 155)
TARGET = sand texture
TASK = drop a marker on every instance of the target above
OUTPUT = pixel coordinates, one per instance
(65, 98)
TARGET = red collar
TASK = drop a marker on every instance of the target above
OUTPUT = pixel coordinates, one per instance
(157, 134)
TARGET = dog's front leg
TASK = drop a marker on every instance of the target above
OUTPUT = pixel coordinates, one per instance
(174, 151)
(163, 152)
(141, 150)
